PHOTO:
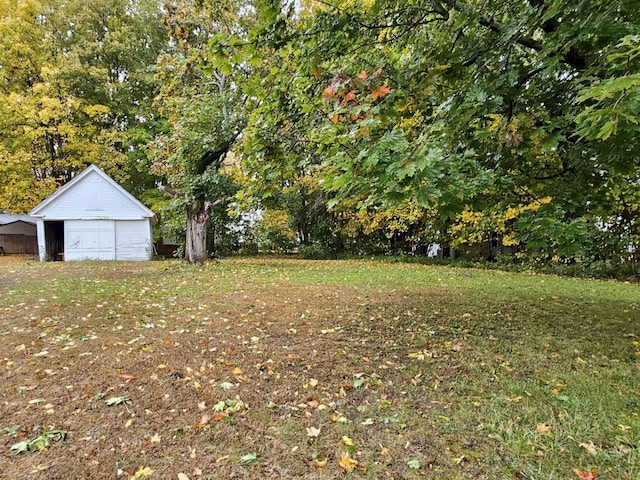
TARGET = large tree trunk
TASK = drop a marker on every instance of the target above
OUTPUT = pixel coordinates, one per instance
(195, 249)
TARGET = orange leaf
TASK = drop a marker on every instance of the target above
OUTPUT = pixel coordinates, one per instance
(583, 475)
(328, 94)
(363, 75)
(349, 97)
(543, 428)
(204, 420)
(379, 92)
(127, 378)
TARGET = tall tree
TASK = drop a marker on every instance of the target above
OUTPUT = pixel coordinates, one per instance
(205, 107)
(76, 87)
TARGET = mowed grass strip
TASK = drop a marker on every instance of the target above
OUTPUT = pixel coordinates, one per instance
(281, 368)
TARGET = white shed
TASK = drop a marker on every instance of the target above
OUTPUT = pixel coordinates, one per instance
(93, 218)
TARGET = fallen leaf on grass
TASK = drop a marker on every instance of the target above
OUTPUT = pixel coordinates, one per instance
(117, 401)
(204, 420)
(347, 441)
(313, 432)
(320, 463)
(543, 428)
(142, 472)
(41, 442)
(347, 463)
(248, 459)
(584, 475)
(182, 476)
(589, 447)
(127, 378)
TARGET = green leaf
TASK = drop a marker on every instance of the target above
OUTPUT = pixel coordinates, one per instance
(117, 401)
(608, 129)
(21, 447)
(248, 459)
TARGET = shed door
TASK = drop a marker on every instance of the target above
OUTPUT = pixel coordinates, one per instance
(133, 240)
(89, 240)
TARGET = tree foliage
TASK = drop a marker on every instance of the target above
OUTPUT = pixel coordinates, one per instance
(452, 121)
(461, 107)
(76, 86)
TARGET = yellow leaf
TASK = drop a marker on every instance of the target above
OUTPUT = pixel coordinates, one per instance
(384, 450)
(236, 371)
(347, 462)
(313, 382)
(142, 472)
(347, 441)
(128, 424)
(320, 463)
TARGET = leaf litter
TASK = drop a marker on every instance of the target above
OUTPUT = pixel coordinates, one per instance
(258, 375)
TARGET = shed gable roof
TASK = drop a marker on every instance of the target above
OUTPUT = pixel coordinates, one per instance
(6, 219)
(91, 194)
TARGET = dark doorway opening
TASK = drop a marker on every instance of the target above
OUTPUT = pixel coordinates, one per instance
(54, 235)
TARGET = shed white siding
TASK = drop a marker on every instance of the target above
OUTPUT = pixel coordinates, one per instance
(96, 218)
(93, 198)
(133, 240)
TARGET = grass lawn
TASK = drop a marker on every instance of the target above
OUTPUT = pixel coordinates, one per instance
(282, 368)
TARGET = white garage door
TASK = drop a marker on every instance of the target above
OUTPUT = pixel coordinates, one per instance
(89, 240)
(133, 240)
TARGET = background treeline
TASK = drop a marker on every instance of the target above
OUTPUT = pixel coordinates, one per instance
(502, 131)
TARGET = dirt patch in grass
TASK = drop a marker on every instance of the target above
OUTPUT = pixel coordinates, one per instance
(283, 369)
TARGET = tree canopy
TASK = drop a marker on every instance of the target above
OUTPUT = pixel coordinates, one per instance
(457, 122)
(76, 87)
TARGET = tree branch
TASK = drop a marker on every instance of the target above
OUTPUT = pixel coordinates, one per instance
(572, 57)
(208, 205)
(168, 190)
